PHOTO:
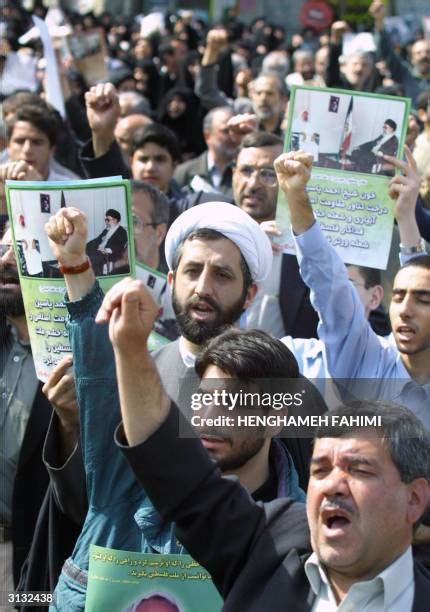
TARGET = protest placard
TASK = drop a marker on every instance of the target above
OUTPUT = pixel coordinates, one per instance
(347, 133)
(110, 248)
(89, 51)
(120, 580)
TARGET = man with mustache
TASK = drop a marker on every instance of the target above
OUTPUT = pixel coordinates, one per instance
(368, 490)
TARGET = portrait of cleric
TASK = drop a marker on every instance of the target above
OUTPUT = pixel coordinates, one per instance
(369, 156)
(109, 246)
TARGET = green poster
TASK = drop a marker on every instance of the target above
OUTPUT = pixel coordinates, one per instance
(107, 205)
(347, 133)
(119, 580)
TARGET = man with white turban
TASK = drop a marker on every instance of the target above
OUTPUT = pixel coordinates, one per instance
(217, 254)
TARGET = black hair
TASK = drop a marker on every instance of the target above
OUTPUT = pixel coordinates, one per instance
(371, 276)
(401, 432)
(159, 135)
(248, 354)
(41, 117)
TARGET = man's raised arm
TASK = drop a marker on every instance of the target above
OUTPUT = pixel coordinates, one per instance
(343, 326)
(131, 312)
(102, 156)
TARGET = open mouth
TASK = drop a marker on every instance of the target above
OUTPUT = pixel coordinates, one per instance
(335, 521)
(202, 310)
(405, 333)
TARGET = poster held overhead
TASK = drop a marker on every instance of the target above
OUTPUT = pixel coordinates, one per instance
(348, 134)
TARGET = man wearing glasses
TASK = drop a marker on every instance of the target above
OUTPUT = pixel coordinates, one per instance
(282, 305)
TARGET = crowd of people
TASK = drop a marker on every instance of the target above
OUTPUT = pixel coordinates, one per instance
(109, 451)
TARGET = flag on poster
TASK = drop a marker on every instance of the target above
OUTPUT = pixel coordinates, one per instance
(347, 132)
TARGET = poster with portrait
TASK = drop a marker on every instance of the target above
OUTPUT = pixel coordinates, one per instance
(110, 248)
(347, 133)
(129, 581)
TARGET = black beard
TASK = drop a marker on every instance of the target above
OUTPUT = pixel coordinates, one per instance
(246, 451)
(199, 332)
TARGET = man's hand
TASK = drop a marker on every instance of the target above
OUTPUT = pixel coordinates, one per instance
(131, 311)
(404, 189)
(293, 171)
(60, 390)
(67, 233)
(19, 171)
(377, 11)
(337, 30)
(103, 112)
(216, 40)
(241, 125)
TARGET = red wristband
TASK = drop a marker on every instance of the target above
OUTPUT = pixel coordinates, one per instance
(83, 267)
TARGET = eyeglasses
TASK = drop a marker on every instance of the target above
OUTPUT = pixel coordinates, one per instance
(138, 223)
(267, 176)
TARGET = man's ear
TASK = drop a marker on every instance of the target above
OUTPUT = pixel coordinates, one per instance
(161, 230)
(170, 278)
(250, 294)
(376, 297)
(419, 499)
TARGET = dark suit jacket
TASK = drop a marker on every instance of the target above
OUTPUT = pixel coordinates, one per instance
(31, 481)
(186, 171)
(255, 553)
(299, 317)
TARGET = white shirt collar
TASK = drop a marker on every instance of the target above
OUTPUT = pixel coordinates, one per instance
(393, 580)
(211, 161)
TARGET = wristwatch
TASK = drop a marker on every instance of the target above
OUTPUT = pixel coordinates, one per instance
(413, 250)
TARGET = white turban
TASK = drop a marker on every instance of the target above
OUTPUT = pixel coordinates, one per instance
(232, 223)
